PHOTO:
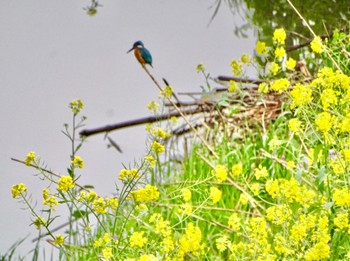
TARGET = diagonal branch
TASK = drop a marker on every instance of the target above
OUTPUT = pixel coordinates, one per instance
(140, 121)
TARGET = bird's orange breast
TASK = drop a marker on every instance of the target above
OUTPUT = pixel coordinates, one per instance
(139, 56)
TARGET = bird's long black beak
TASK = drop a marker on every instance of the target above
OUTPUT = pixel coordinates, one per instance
(130, 50)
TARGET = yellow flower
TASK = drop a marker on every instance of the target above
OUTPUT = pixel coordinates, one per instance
(76, 106)
(77, 162)
(279, 214)
(234, 222)
(65, 183)
(236, 67)
(186, 208)
(341, 220)
(51, 202)
(137, 239)
(222, 243)
(261, 172)
(200, 68)
(301, 95)
(156, 147)
(324, 121)
(59, 240)
(280, 85)
(245, 58)
(243, 199)
(220, 173)
(341, 197)
(160, 133)
(152, 161)
(112, 203)
(215, 194)
(291, 63)
(186, 194)
(190, 242)
(18, 189)
(39, 222)
(232, 86)
(147, 258)
(100, 205)
(237, 169)
(30, 158)
(275, 143)
(153, 106)
(263, 87)
(167, 91)
(274, 68)
(280, 52)
(126, 174)
(260, 48)
(107, 253)
(255, 188)
(279, 36)
(294, 125)
(320, 250)
(316, 45)
(145, 194)
(328, 97)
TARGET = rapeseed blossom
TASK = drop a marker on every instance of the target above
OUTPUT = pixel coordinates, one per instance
(77, 162)
(190, 242)
(237, 169)
(153, 106)
(279, 36)
(280, 85)
(126, 174)
(145, 194)
(76, 106)
(316, 45)
(274, 68)
(236, 67)
(18, 189)
(215, 194)
(291, 63)
(220, 173)
(186, 194)
(232, 87)
(39, 222)
(156, 147)
(59, 240)
(260, 48)
(222, 243)
(328, 98)
(30, 158)
(65, 183)
(341, 220)
(294, 125)
(137, 239)
(301, 95)
(263, 87)
(100, 205)
(324, 121)
(261, 172)
(280, 52)
(107, 253)
(234, 222)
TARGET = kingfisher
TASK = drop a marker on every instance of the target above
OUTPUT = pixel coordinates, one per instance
(141, 53)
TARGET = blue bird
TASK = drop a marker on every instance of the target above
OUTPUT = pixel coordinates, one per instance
(141, 53)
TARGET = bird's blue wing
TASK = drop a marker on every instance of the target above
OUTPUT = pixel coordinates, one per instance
(146, 55)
